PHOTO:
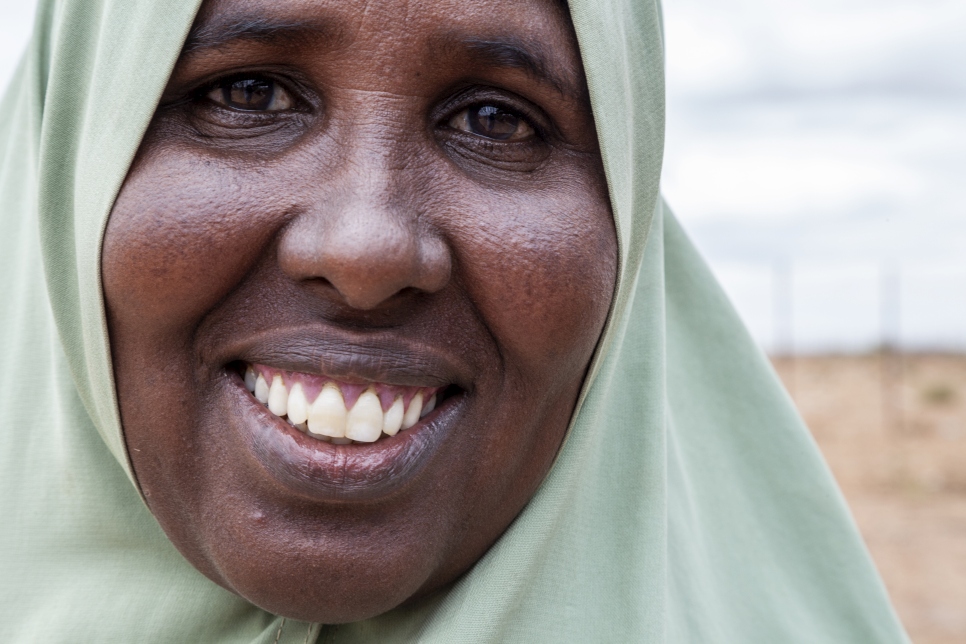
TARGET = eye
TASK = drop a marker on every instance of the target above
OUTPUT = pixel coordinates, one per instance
(493, 122)
(252, 95)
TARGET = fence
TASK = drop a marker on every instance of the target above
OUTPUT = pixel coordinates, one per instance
(887, 307)
(850, 307)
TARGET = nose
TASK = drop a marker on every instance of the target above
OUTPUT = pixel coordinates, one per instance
(367, 243)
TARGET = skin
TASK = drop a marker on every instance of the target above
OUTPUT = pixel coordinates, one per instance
(363, 231)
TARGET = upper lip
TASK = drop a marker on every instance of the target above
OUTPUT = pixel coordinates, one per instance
(347, 356)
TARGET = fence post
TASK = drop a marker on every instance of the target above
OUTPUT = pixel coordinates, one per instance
(890, 355)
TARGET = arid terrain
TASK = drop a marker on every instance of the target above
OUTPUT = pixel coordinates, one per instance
(893, 429)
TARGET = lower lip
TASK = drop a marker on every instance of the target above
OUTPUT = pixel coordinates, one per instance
(324, 472)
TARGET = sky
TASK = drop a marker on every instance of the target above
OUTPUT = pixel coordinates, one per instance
(816, 153)
(16, 18)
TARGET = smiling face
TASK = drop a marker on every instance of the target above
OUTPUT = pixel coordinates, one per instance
(354, 280)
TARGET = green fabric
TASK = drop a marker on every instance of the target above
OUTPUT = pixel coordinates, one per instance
(688, 504)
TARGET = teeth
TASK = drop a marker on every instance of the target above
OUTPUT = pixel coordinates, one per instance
(364, 422)
(412, 414)
(327, 415)
(430, 406)
(278, 397)
(298, 406)
(394, 418)
(261, 390)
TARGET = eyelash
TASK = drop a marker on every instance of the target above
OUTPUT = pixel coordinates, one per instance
(201, 94)
(488, 96)
(466, 100)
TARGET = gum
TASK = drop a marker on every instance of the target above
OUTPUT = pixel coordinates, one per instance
(312, 385)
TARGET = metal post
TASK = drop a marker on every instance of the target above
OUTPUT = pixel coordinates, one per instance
(891, 358)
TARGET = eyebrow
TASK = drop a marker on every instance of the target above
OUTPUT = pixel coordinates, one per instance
(507, 52)
(259, 29)
(529, 57)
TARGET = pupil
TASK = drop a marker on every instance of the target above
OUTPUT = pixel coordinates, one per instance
(492, 122)
(250, 94)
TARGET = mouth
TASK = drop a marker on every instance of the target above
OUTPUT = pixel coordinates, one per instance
(342, 438)
(339, 412)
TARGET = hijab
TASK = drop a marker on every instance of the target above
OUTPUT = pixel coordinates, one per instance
(687, 504)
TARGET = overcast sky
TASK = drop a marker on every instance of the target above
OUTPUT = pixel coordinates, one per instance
(16, 18)
(806, 116)
(826, 138)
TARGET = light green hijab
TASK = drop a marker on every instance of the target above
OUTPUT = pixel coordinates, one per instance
(688, 504)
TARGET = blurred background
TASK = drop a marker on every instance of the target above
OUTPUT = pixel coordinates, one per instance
(816, 152)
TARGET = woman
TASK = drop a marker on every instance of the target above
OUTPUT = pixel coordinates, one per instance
(373, 312)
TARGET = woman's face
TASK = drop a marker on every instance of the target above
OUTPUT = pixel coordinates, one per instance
(347, 208)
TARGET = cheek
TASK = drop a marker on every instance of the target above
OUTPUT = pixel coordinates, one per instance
(541, 269)
(181, 235)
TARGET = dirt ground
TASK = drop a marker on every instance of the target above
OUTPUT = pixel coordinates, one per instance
(893, 428)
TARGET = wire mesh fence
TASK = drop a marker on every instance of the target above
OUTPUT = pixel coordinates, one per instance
(874, 355)
(886, 310)
(801, 307)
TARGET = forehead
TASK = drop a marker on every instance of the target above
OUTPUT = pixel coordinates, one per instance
(395, 16)
(532, 35)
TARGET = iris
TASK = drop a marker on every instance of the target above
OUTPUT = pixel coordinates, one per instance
(251, 95)
(493, 122)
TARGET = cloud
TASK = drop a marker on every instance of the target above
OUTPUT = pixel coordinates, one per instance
(821, 133)
(758, 46)
(14, 33)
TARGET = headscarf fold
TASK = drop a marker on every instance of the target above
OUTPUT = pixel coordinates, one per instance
(687, 504)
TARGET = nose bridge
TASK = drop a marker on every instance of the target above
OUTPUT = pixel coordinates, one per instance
(377, 183)
(376, 144)
(362, 232)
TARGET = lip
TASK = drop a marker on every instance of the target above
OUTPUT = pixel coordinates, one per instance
(323, 472)
(350, 357)
(318, 471)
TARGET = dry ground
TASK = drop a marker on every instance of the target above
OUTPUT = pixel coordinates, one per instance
(893, 429)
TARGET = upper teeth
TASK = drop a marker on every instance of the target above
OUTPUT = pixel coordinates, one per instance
(327, 417)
